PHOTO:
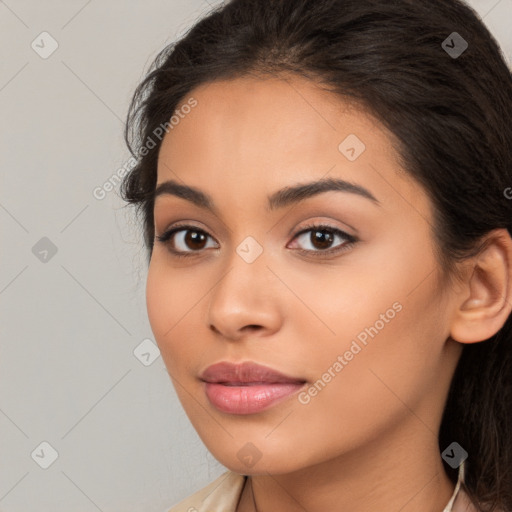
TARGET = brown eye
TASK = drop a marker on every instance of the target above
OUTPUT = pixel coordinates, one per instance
(319, 239)
(194, 239)
(185, 240)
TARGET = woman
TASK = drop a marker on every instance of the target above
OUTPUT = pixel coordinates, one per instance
(325, 190)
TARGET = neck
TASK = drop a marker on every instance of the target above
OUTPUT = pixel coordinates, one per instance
(401, 472)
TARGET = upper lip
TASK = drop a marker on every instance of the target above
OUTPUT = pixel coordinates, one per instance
(226, 372)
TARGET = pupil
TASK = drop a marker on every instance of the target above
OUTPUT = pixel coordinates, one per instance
(324, 239)
(194, 236)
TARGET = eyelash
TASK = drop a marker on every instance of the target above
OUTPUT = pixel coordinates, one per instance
(351, 240)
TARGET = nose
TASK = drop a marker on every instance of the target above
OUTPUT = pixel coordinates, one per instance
(245, 300)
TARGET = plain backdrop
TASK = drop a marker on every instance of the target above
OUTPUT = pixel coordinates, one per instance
(88, 417)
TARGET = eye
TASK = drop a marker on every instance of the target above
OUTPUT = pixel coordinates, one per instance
(320, 238)
(185, 235)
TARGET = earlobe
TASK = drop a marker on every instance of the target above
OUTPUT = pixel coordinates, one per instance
(485, 302)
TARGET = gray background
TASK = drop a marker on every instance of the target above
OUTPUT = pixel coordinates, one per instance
(72, 319)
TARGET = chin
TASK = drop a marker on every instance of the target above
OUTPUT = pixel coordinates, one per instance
(260, 468)
(258, 458)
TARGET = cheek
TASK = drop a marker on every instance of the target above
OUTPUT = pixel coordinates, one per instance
(159, 301)
(381, 315)
(170, 300)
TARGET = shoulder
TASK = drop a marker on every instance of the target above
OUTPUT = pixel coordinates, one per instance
(221, 495)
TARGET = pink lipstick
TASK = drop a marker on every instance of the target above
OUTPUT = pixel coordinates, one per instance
(247, 388)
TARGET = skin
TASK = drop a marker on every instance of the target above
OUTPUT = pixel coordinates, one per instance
(369, 439)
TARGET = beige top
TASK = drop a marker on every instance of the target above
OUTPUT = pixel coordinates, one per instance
(223, 495)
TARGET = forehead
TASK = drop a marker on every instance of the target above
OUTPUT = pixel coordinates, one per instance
(254, 135)
(286, 113)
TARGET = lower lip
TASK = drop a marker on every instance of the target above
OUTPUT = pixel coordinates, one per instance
(248, 399)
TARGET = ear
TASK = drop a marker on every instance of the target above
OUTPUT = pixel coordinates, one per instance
(485, 299)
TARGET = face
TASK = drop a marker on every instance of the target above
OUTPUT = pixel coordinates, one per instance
(337, 290)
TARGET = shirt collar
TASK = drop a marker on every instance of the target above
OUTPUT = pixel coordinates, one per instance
(460, 479)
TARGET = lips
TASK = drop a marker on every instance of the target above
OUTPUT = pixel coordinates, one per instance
(248, 387)
(245, 374)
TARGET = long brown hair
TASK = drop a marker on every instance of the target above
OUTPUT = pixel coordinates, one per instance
(451, 114)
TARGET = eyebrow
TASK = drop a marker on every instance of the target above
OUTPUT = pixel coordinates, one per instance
(279, 199)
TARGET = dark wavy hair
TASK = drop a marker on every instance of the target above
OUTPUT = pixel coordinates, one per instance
(451, 119)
